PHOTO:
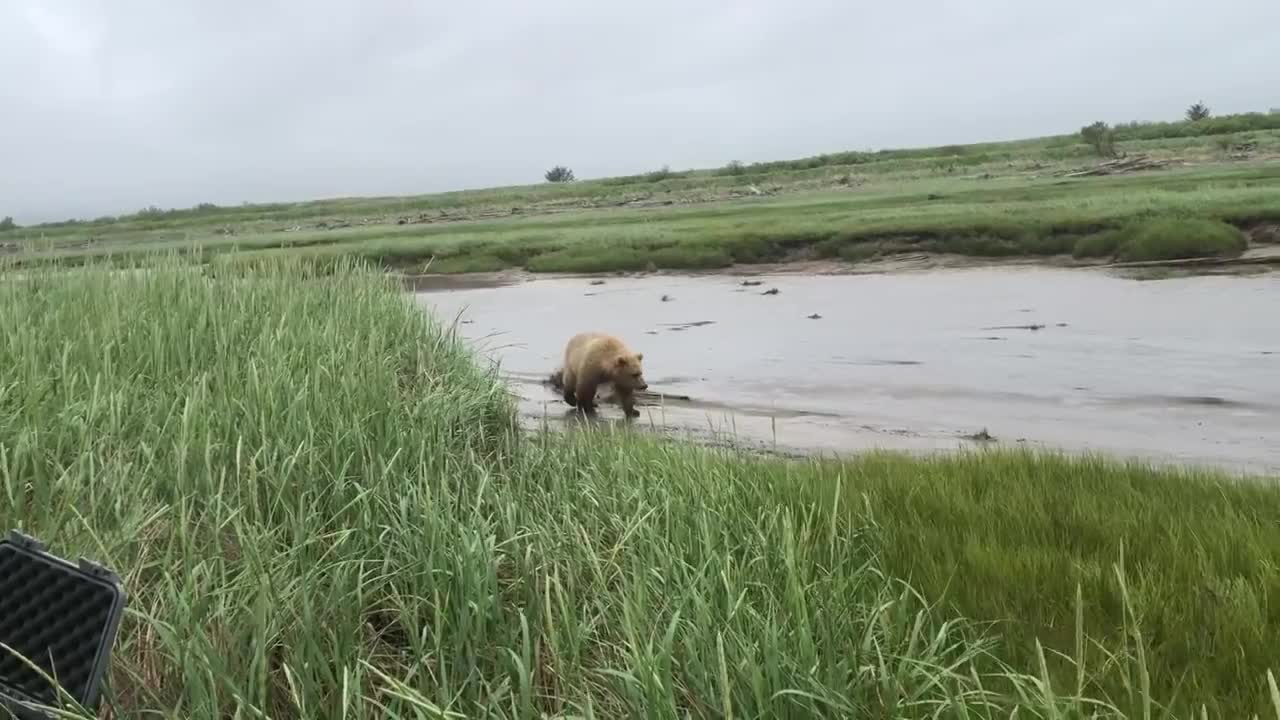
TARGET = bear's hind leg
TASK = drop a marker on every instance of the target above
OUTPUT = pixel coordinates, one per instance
(568, 387)
(586, 394)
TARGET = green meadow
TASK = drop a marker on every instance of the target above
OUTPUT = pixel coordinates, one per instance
(993, 200)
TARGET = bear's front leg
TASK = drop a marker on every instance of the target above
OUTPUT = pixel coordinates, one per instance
(628, 401)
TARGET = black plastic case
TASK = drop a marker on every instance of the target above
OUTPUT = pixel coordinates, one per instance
(60, 616)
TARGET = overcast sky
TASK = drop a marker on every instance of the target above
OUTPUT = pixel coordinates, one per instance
(107, 106)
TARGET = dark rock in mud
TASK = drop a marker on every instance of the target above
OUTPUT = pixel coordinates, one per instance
(770, 291)
(687, 325)
(1032, 327)
(814, 316)
(751, 283)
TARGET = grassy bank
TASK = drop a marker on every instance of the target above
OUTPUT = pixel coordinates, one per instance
(322, 509)
(990, 200)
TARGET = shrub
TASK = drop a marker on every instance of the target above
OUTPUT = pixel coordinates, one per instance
(7, 223)
(559, 174)
(1174, 238)
(1100, 137)
(1221, 125)
(659, 175)
(733, 168)
(1197, 112)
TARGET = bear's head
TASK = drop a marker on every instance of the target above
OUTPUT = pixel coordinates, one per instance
(627, 373)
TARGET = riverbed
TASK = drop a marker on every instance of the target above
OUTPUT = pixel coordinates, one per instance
(1183, 370)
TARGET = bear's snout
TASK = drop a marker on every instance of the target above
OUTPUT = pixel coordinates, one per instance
(643, 385)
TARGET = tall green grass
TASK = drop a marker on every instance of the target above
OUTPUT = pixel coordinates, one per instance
(322, 509)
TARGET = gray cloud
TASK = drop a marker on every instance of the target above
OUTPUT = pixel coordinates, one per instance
(111, 106)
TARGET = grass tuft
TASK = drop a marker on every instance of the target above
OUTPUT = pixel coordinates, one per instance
(1172, 238)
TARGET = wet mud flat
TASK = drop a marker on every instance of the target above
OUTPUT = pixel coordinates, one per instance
(1183, 370)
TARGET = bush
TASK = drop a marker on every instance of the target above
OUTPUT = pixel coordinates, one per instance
(1222, 125)
(1101, 137)
(7, 223)
(1175, 238)
(659, 175)
(1198, 112)
(559, 174)
(733, 168)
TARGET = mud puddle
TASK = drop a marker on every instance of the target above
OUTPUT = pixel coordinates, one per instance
(1182, 370)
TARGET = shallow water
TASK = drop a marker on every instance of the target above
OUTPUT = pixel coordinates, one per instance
(1184, 370)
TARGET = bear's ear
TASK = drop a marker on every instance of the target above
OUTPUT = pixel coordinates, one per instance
(639, 357)
(622, 360)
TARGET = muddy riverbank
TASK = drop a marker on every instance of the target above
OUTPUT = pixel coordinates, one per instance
(1182, 370)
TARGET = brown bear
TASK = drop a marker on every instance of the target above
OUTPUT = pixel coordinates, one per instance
(593, 358)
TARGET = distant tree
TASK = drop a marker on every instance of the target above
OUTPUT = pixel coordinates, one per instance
(559, 174)
(734, 168)
(1198, 111)
(7, 223)
(659, 175)
(1102, 137)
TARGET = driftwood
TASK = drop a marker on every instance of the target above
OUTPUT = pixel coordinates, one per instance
(1119, 166)
(1217, 261)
